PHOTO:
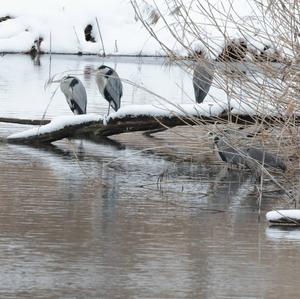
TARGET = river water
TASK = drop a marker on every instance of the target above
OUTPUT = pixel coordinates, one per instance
(130, 217)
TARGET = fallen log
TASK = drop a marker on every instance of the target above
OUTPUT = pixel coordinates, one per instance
(58, 128)
(137, 118)
(63, 128)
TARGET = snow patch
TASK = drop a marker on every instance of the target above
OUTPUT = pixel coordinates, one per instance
(281, 214)
(56, 124)
(169, 110)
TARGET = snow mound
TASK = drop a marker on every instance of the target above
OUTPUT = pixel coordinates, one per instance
(284, 216)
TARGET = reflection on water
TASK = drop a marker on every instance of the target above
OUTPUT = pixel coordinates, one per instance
(131, 217)
(288, 233)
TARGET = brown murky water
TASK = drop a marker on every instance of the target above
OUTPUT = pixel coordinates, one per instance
(84, 219)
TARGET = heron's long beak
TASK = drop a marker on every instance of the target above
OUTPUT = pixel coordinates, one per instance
(55, 81)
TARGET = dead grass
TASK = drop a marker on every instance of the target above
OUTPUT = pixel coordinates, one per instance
(271, 75)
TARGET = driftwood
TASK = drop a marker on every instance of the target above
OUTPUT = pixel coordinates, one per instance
(22, 121)
(117, 125)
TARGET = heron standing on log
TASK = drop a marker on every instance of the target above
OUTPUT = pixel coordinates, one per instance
(75, 94)
(110, 86)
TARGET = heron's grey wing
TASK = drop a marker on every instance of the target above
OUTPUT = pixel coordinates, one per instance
(202, 80)
(267, 158)
(114, 89)
(80, 97)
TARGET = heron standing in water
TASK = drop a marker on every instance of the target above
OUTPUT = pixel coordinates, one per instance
(247, 156)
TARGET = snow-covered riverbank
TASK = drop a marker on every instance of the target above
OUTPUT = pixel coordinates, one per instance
(66, 21)
(70, 27)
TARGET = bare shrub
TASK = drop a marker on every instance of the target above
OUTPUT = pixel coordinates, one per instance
(266, 40)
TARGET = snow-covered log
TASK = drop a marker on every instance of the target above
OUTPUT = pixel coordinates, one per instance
(58, 128)
(284, 217)
(127, 119)
(136, 118)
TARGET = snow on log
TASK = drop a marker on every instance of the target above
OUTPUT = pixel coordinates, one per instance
(284, 217)
(59, 128)
(140, 118)
(127, 119)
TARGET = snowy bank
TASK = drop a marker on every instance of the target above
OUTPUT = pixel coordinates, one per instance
(65, 26)
(66, 21)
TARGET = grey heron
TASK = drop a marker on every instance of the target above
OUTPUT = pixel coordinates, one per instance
(110, 86)
(202, 79)
(247, 156)
(75, 94)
